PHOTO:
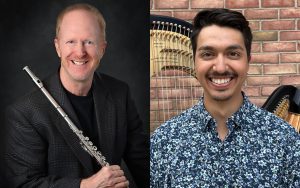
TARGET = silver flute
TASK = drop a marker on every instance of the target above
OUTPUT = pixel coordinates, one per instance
(84, 141)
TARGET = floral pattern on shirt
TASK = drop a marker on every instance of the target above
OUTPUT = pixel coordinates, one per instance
(260, 150)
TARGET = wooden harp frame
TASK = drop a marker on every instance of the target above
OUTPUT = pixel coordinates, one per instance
(285, 103)
(173, 85)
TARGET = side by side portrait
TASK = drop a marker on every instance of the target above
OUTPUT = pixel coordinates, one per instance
(82, 121)
(159, 94)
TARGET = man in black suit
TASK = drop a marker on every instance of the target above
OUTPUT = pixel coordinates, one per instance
(41, 149)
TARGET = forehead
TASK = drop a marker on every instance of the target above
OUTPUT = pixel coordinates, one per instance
(79, 21)
(220, 37)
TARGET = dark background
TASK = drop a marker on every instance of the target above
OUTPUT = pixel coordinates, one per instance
(27, 31)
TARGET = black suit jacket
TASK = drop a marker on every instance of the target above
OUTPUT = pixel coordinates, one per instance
(42, 151)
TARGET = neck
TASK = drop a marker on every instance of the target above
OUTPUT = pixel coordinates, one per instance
(79, 88)
(222, 110)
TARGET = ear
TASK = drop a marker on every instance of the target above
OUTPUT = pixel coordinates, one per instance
(57, 47)
(102, 49)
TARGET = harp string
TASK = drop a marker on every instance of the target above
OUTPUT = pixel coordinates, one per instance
(171, 71)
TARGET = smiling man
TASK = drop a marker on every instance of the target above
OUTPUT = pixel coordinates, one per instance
(41, 149)
(224, 140)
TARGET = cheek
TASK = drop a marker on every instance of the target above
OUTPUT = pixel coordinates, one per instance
(65, 53)
(243, 70)
(201, 68)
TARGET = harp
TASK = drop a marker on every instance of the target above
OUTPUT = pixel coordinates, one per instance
(285, 103)
(173, 85)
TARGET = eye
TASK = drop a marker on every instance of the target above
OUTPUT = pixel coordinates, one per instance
(71, 43)
(88, 43)
(206, 55)
(234, 54)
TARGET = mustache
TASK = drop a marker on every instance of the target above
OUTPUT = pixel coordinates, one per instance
(224, 74)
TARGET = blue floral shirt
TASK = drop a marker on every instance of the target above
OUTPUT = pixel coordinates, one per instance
(260, 150)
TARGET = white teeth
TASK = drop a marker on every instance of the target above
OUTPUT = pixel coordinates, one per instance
(79, 62)
(220, 81)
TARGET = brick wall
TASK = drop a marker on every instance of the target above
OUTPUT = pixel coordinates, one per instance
(275, 48)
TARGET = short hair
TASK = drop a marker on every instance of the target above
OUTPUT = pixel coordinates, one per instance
(223, 18)
(86, 7)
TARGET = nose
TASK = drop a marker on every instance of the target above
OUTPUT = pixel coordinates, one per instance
(80, 49)
(220, 65)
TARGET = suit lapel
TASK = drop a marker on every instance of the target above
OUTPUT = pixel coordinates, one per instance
(53, 85)
(105, 116)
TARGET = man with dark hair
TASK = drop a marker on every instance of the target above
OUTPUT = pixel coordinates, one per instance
(43, 151)
(224, 140)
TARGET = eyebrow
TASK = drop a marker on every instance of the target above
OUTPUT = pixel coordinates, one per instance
(231, 47)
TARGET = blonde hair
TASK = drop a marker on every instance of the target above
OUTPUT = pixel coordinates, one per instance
(86, 7)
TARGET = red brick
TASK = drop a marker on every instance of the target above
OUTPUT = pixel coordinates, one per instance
(174, 93)
(153, 126)
(181, 105)
(172, 72)
(197, 92)
(185, 15)
(262, 80)
(255, 70)
(161, 104)
(265, 35)
(298, 24)
(252, 91)
(267, 90)
(278, 25)
(290, 13)
(290, 80)
(258, 101)
(279, 47)
(207, 4)
(261, 13)
(171, 4)
(166, 115)
(153, 115)
(241, 4)
(162, 82)
(153, 93)
(255, 47)
(264, 58)
(254, 25)
(278, 3)
(163, 13)
(280, 69)
(187, 82)
(289, 35)
(298, 46)
(289, 58)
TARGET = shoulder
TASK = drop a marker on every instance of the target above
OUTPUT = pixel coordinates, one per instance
(34, 106)
(178, 127)
(111, 82)
(273, 126)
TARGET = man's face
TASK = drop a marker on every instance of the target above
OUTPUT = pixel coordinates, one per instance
(80, 46)
(221, 62)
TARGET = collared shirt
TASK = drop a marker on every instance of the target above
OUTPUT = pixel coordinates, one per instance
(260, 150)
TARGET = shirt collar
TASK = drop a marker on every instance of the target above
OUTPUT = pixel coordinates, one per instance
(239, 117)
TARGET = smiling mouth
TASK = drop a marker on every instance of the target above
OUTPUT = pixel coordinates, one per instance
(79, 62)
(220, 81)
